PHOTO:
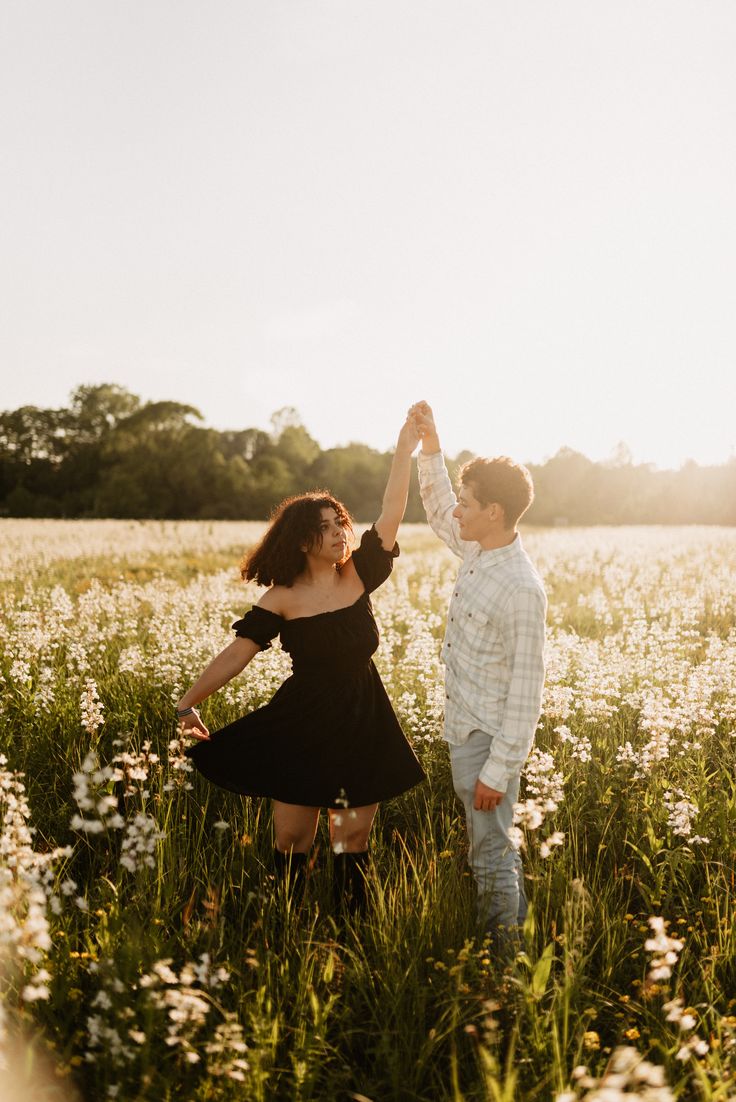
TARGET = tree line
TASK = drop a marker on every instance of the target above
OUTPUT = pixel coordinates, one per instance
(109, 454)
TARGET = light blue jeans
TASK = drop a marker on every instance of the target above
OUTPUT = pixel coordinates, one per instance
(495, 863)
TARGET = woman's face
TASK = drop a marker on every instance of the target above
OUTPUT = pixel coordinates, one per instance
(334, 542)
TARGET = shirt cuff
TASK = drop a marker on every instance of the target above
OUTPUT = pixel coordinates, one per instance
(435, 462)
(494, 776)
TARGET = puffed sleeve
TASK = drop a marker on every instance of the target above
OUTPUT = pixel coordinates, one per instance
(372, 561)
(260, 625)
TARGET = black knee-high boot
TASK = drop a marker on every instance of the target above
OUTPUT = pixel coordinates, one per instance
(349, 882)
(290, 869)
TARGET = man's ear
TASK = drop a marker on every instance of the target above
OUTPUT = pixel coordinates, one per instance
(497, 513)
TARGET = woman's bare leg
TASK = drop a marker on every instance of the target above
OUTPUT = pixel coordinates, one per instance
(294, 826)
(350, 829)
(349, 833)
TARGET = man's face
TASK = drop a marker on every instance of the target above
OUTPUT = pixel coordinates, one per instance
(475, 521)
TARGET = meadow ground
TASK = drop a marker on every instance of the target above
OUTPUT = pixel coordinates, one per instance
(145, 951)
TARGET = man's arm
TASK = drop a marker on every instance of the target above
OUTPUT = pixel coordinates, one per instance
(524, 644)
(435, 487)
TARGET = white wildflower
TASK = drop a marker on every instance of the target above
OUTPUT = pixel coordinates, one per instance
(91, 708)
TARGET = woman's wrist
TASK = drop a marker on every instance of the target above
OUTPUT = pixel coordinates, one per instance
(185, 710)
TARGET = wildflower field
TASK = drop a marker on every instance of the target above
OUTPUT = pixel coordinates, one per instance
(145, 950)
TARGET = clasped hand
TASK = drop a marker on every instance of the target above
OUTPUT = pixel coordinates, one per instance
(423, 418)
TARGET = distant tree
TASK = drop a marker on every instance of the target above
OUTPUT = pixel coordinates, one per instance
(293, 446)
(464, 457)
(94, 413)
(30, 433)
(158, 417)
(621, 456)
(109, 454)
(356, 475)
(33, 444)
(285, 418)
(245, 443)
(95, 410)
(155, 464)
(564, 491)
(271, 481)
(231, 493)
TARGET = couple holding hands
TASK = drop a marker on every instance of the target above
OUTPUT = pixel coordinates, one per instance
(329, 737)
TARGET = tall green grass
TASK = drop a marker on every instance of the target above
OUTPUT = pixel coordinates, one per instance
(406, 1001)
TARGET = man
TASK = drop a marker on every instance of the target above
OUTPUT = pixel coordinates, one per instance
(493, 655)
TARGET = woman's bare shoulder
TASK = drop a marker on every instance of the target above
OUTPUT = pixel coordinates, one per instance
(276, 599)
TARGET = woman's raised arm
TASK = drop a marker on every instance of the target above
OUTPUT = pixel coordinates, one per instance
(397, 488)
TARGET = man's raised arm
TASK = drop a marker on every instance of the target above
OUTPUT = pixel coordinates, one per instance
(438, 497)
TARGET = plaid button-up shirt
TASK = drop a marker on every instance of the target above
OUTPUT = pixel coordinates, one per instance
(494, 642)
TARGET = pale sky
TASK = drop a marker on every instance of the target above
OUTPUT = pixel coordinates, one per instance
(520, 211)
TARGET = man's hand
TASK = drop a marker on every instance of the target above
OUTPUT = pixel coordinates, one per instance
(486, 799)
(423, 417)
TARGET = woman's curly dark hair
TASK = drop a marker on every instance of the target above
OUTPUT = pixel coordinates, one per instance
(278, 559)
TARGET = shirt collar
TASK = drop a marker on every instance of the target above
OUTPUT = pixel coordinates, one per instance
(500, 554)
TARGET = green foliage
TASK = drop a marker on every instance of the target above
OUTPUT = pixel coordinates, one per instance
(110, 455)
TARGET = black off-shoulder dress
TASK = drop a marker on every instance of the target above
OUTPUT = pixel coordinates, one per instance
(329, 736)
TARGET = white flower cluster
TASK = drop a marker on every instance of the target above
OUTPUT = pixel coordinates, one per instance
(93, 794)
(556, 838)
(408, 658)
(26, 548)
(77, 659)
(686, 1023)
(132, 659)
(126, 1014)
(628, 1078)
(99, 805)
(92, 709)
(139, 843)
(666, 951)
(657, 749)
(226, 1050)
(681, 814)
(135, 768)
(580, 745)
(654, 656)
(26, 892)
(545, 785)
(179, 766)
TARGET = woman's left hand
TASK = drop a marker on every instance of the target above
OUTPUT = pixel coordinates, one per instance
(409, 436)
(193, 726)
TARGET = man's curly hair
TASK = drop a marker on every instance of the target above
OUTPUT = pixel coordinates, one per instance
(502, 481)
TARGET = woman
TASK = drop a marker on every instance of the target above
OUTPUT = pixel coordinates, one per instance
(329, 736)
